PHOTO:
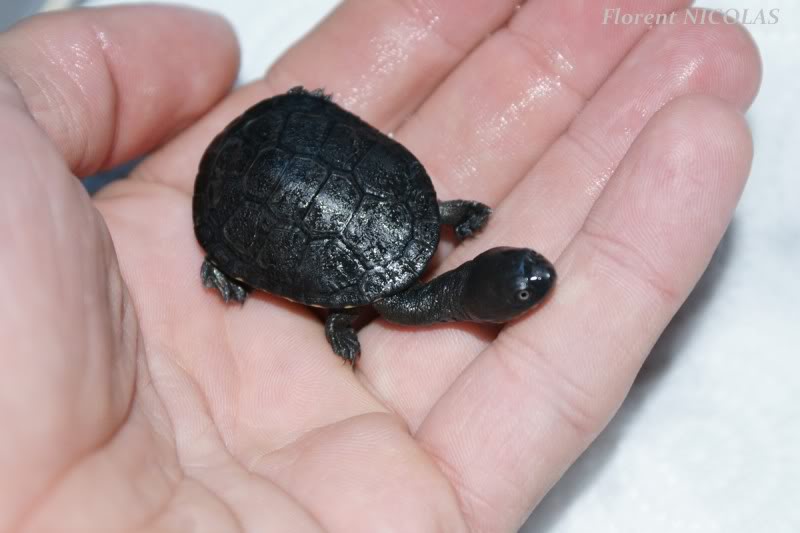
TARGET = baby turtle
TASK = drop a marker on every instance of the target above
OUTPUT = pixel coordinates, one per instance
(302, 199)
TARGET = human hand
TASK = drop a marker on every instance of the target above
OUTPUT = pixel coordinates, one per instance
(132, 399)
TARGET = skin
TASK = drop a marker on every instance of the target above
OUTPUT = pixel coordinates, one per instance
(498, 286)
(617, 154)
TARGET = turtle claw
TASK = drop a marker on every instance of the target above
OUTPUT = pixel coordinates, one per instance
(342, 336)
(237, 293)
(346, 346)
(475, 222)
(229, 289)
(466, 216)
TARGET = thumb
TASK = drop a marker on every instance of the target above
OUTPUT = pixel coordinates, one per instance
(79, 91)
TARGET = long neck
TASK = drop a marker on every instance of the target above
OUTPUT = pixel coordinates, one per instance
(439, 300)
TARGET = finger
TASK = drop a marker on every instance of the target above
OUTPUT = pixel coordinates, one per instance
(547, 208)
(379, 59)
(477, 136)
(104, 90)
(68, 333)
(83, 87)
(522, 412)
(721, 61)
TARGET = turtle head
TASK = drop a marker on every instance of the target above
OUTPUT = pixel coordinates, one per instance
(503, 283)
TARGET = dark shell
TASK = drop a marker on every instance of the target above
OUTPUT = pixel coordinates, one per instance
(303, 199)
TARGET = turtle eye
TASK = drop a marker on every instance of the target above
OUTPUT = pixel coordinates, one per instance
(523, 295)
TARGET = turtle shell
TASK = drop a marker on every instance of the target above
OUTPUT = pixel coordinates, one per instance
(302, 199)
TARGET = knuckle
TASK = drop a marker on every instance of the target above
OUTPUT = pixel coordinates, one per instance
(470, 501)
(572, 402)
(630, 265)
(428, 18)
(540, 59)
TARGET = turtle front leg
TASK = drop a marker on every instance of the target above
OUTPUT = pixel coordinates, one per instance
(466, 216)
(229, 288)
(342, 335)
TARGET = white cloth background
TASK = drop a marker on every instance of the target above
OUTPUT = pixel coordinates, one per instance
(709, 439)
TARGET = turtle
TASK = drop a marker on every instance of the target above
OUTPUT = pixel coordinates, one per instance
(300, 198)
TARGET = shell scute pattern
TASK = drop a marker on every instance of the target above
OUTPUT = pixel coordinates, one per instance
(304, 133)
(241, 229)
(266, 171)
(281, 253)
(300, 182)
(342, 267)
(379, 230)
(384, 171)
(344, 147)
(333, 206)
(302, 199)
(264, 129)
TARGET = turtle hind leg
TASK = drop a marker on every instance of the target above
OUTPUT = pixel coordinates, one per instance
(342, 335)
(319, 93)
(466, 216)
(229, 288)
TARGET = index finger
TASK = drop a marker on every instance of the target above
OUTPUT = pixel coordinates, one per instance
(379, 59)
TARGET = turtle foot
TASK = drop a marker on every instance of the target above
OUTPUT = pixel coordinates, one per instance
(466, 216)
(319, 93)
(229, 288)
(342, 336)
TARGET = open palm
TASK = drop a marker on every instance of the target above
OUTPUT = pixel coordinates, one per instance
(133, 399)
